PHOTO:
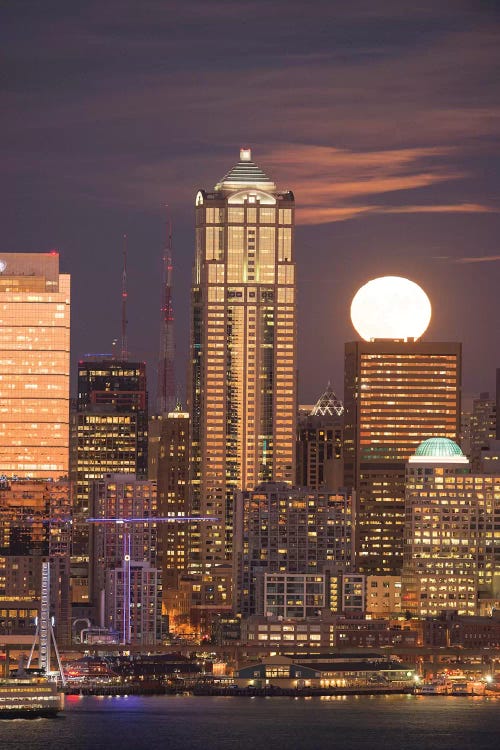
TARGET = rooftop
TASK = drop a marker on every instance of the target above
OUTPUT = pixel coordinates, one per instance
(328, 404)
(439, 449)
(245, 174)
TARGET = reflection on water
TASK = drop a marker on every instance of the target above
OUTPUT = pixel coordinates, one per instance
(215, 723)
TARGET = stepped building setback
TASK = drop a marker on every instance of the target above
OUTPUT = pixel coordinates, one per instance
(242, 388)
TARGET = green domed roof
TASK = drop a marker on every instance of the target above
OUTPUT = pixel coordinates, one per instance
(438, 448)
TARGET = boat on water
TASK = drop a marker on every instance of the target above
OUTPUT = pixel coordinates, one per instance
(434, 687)
(468, 687)
(28, 696)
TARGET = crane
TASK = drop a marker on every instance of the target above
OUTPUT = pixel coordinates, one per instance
(126, 522)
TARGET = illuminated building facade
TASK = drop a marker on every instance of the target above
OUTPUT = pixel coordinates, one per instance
(397, 393)
(35, 526)
(320, 449)
(34, 366)
(451, 553)
(293, 594)
(143, 589)
(129, 545)
(243, 350)
(173, 487)
(287, 530)
(110, 433)
(482, 427)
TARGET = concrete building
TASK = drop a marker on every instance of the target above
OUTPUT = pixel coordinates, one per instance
(451, 557)
(34, 366)
(143, 592)
(397, 393)
(482, 427)
(383, 596)
(242, 382)
(293, 594)
(326, 632)
(124, 551)
(285, 530)
(173, 501)
(35, 526)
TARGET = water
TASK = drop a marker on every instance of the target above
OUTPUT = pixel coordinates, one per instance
(211, 723)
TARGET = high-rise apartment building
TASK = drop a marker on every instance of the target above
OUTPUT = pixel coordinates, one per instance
(451, 558)
(173, 495)
(289, 531)
(242, 389)
(397, 393)
(125, 557)
(34, 366)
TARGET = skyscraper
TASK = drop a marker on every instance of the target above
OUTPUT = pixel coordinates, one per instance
(109, 428)
(320, 438)
(112, 422)
(242, 388)
(34, 366)
(397, 393)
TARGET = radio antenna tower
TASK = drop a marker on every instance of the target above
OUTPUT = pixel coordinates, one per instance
(124, 352)
(166, 398)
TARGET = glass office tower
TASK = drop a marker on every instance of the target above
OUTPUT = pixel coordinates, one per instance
(397, 393)
(34, 366)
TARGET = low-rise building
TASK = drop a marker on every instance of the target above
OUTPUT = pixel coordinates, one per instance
(297, 673)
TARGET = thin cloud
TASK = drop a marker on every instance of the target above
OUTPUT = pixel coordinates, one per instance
(457, 208)
(336, 184)
(478, 259)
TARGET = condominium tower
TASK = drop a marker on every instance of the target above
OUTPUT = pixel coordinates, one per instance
(242, 390)
(34, 366)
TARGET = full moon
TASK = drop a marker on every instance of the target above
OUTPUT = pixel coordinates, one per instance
(390, 307)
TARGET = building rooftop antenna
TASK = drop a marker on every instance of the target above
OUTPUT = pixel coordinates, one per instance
(124, 351)
(166, 360)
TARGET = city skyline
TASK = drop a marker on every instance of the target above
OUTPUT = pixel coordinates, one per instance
(393, 161)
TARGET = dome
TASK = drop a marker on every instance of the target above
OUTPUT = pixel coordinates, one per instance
(438, 448)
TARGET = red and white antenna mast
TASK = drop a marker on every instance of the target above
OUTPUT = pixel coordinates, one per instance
(124, 351)
(166, 397)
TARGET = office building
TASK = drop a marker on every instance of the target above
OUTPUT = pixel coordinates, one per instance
(451, 555)
(397, 393)
(482, 427)
(109, 428)
(242, 387)
(320, 438)
(285, 530)
(34, 366)
(173, 497)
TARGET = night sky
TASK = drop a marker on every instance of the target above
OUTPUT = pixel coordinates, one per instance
(382, 116)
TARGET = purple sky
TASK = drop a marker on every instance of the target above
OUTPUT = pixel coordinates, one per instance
(382, 116)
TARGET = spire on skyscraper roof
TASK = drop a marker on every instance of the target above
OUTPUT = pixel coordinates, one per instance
(328, 404)
(245, 174)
